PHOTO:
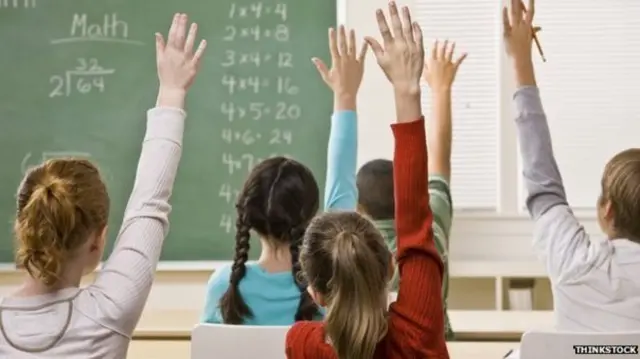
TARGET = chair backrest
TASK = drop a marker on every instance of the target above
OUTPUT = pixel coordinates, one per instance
(238, 342)
(563, 345)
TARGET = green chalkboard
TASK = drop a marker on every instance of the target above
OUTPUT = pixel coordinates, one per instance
(77, 76)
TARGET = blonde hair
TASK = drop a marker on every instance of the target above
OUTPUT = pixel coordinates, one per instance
(344, 258)
(61, 203)
(621, 188)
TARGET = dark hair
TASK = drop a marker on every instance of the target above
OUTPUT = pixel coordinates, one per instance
(278, 200)
(345, 259)
(375, 189)
(61, 203)
(621, 187)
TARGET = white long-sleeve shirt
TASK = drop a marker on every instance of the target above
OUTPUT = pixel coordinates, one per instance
(98, 321)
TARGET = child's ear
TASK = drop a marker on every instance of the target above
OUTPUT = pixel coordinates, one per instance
(317, 297)
(100, 240)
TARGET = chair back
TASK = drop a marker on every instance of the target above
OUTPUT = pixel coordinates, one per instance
(221, 341)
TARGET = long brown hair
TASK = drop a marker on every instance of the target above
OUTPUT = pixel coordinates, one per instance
(278, 200)
(60, 205)
(344, 259)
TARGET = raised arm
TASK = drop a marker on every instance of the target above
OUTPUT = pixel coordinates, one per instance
(123, 285)
(344, 78)
(439, 72)
(417, 316)
(558, 236)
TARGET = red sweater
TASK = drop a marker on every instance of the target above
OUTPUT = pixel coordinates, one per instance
(416, 319)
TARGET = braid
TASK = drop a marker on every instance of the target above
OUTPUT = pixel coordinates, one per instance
(232, 306)
(307, 309)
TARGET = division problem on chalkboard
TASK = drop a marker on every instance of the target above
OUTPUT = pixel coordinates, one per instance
(84, 76)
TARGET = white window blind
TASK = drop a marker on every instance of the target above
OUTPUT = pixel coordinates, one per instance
(589, 86)
(474, 27)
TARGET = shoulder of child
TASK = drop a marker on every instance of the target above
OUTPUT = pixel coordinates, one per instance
(219, 278)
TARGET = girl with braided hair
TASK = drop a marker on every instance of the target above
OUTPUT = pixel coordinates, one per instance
(277, 202)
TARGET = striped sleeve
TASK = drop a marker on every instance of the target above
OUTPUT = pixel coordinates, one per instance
(442, 207)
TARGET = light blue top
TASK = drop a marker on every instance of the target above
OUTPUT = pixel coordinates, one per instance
(340, 191)
(273, 297)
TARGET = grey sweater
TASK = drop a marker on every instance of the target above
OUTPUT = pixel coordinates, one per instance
(98, 321)
(596, 286)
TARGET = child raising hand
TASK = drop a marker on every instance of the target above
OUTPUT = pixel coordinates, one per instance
(61, 226)
(345, 259)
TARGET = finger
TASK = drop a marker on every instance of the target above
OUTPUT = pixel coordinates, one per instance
(449, 55)
(418, 39)
(516, 12)
(352, 43)
(363, 52)
(387, 38)
(442, 51)
(191, 38)
(375, 46)
(333, 45)
(197, 56)
(321, 67)
(505, 21)
(460, 60)
(159, 44)
(434, 50)
(181, 31)
(342, 41)
(407, 29)
(396, 24)
(530, 11)
(171, 41)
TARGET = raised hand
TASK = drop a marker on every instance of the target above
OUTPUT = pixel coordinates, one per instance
(402, 57)
(440, 69)
(347, 67)
(176, 61)
(518, 29)
(518, 38)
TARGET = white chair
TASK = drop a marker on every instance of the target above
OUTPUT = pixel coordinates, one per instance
(238, 341)
(563, 345)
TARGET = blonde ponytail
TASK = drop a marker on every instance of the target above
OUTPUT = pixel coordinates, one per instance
(43, 227)
(356, 317)
(61, 203)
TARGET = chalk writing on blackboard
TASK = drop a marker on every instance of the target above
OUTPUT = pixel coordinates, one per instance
(88, 76)
(17, 4)
(110, 28)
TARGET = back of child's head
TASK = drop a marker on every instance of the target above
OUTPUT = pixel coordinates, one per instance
(619, 204)
(348, 267)
(62, 204)
(375, 189)
(278, 200)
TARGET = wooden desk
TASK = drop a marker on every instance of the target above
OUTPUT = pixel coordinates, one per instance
(179, 349)
(468, 325)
